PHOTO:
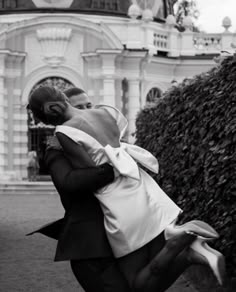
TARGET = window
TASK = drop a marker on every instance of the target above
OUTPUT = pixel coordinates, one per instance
(153, 95)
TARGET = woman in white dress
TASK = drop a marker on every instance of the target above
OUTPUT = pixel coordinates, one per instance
(139, 217)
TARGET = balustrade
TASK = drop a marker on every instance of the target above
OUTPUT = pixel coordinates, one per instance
(160, 41)
(207, 42)
(8, 4)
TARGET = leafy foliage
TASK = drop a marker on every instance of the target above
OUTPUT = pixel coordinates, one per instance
(185, 8)
(192, 132)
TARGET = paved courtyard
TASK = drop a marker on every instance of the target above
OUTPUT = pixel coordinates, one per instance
(26, 262)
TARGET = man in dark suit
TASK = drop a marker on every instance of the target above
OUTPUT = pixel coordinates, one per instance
(81, 235)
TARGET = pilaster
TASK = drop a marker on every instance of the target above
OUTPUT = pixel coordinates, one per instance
(11, 75)
(132, 66)
(2, 118)
(134, 35)
(101, 65)
(173, 42)
(92, 66)
(109, 74)
(133, 106)
(187, 48)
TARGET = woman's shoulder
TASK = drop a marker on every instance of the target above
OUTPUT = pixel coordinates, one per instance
(112, 110)
(120, 119)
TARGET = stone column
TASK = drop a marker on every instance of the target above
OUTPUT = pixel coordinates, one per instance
(109, 91)
(2, 119)
(109, 75)
(92, 65)
(16, 130)
(132, 67)
(133, 106)
(173, 43)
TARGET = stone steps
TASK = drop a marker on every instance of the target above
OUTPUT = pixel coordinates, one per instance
(27, 188)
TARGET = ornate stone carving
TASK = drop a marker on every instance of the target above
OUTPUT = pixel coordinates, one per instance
(170, 20)
(226, 23)
(134, 11)
(54, 42)
(147, 15)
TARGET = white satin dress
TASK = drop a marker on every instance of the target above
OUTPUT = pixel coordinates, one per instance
(135, 208)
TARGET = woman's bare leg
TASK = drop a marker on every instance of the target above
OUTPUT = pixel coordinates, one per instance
(132, 263)
(177, 268)
(183, 261)
(150, 278)
(147, 276)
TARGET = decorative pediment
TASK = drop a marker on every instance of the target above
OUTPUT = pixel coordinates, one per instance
(54, 43)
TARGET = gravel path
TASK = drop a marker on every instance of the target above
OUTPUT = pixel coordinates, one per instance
(26, 262)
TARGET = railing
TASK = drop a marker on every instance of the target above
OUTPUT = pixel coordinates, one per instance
(207, 42)
(160, 41)
(163, 37)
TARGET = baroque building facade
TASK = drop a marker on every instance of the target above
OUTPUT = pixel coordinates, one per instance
(122, 53)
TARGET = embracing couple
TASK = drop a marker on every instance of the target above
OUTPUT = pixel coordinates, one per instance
(119, 230)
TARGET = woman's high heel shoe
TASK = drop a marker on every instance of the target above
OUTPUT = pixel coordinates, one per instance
(211, 256)
(200, 228)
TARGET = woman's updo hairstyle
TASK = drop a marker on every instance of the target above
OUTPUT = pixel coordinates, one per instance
(42, 96)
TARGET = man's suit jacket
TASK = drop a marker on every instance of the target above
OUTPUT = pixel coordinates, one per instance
(81, 233)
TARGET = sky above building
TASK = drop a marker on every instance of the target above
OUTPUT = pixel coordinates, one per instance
(212, 13)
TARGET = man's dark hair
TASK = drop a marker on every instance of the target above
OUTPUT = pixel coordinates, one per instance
(73, 91)
(42, 95)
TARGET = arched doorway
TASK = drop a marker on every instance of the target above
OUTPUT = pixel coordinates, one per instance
(153, 96)
(39, 133)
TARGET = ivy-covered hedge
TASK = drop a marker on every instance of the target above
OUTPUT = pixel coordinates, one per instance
(192, 132)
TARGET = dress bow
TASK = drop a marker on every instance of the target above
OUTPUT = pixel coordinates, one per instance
(125, 158)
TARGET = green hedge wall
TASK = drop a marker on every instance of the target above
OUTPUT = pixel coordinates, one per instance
(192, 132)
